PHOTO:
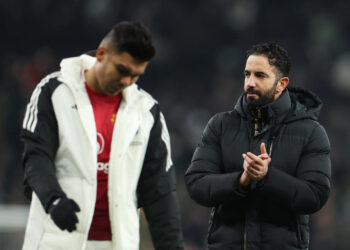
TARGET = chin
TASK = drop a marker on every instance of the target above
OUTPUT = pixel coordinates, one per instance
(112, 92)
(252, 99)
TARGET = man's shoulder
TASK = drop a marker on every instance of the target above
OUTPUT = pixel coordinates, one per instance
(143, 93)
(50, 78)
(304, 127)
(306, 123)
(225, 121)
(225, 116)
(49, 83)
(140, 96)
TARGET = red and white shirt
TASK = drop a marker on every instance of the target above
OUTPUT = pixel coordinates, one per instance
(105, 112)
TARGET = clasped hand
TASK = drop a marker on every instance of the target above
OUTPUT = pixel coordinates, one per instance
(255, 166)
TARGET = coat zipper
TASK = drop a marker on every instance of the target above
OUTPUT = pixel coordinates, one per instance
(256, 132)
(255, 126)
(245, 237)
(256, 123)
(271, 145)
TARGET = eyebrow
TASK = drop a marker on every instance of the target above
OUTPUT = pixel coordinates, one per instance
(123, 68)
(261, 73)
(256, 72)
(126, 70)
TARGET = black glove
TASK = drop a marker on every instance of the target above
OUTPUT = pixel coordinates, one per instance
(63, 211)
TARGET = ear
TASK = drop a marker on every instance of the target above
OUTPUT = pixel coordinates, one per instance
(101, 53)
(282, 84)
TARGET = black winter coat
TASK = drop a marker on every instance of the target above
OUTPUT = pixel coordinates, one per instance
(274, 215)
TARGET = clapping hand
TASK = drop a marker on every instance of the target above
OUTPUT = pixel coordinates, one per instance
(255, 166)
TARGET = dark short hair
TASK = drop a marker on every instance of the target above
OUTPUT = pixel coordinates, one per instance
(276, 55)
(133, 38)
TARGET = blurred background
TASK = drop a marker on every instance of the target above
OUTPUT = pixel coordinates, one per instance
(198, 71)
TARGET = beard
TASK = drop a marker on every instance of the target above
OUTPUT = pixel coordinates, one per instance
(265, 97)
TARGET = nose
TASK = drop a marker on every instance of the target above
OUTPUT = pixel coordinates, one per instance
(251, 81)
(126, 80)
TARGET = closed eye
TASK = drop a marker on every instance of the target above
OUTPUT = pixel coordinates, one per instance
(126, 72)
(123, 70)
(260, 74)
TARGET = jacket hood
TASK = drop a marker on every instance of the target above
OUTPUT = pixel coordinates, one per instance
(72, 74)
(298, 102)
(305, 104)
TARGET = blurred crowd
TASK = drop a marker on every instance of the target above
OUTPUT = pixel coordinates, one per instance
(198, 71)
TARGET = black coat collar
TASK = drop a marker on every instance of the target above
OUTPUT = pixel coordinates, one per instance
(276, 110)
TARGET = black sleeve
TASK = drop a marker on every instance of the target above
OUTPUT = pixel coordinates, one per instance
(309, 190)
(40, 137)
(156, 190)
(205, 179)
(163, 218)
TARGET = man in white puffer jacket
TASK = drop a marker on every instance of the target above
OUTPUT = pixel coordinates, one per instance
(96, 149)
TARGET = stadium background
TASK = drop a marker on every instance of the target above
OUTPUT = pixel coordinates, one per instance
(198, 71)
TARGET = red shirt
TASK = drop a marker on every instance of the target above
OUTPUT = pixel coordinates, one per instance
(105, 111)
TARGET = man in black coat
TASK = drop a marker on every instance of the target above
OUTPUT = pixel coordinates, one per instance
(263, 167)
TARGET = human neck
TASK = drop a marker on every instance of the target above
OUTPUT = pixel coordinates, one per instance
(91, 80)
